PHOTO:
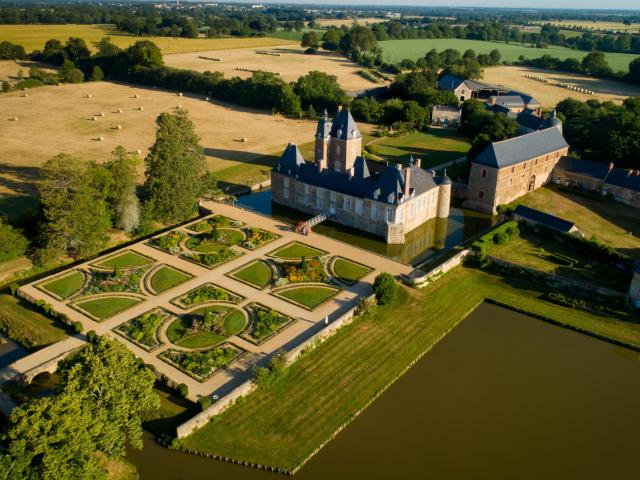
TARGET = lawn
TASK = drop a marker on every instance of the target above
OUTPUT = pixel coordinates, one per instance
(548, 255)
(297, 250)
(257, 273)
(33, 37)
(22, 323)
(348, 271)
(66, 285)
(166, 277)
(234, 322)
(434, 147)
(310, 297)
(611, 222)
(127, 259)
(105, 307)
(204, 244)
(283, 425)
(397, 50)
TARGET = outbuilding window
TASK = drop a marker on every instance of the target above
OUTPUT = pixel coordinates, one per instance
(484, 173)
(481, 194)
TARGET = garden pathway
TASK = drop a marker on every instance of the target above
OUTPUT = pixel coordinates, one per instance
(307, 323)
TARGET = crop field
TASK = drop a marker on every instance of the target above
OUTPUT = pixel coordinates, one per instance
(291, 64)
(58, 119)
(33, 37)
(397, 50)
(338, 22)
(596, 26)
(549, 94)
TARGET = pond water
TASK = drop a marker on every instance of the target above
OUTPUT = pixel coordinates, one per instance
(434, 236)
(10, 351)
(503, 396)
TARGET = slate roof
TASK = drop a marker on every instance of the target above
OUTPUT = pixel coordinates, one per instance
(324, 127)
(344, 126)
(587, 168)
(624, 178)
(528, 119)
(386, 186)
(501, 109)
(543, 218)
(449, 82)
(519, 149)
(509, 101)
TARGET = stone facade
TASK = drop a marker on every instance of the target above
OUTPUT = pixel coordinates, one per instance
(389, 204)
(446, 116)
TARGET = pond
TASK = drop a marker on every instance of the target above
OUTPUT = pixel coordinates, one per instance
(434, 236)
(503, 396)
(10, 352)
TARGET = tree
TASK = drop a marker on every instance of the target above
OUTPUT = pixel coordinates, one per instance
(76, 50)
(385, 288)
(96, 74)
(331, 39)
(6, 86)
(320, 90)
(495, 56)
(634, 71)
(53, 52)
(310, 40)
(122, 197)
(595, 63)
(359, 38)
(69, 73)
(104, 48)
(144, 53)
(479, 144)
(175, 167)
(13, 243)
(433, 60)
(76, 217)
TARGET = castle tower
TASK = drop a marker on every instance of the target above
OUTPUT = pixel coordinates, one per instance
(345, 143)
(444, 197)
(323, 135)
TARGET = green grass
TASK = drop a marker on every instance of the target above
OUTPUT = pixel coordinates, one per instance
(293, 35)
(310, 296)
(234, 322)
(174, 410)
(297, 250)
(66, 285)
(106, 307)
(284, 424)
(610, 222)
(22, 323)
(197, 243)
(257, 273)
(348, 271)
(126, 259)
(397, 50)
(434, 147)
(166, 277)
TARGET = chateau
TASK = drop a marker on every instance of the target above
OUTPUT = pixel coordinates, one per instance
(389, 201)
(507, 170)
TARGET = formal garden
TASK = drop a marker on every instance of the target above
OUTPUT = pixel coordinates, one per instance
(347, 271)
(144, 329)
(296, 250)
(165, 277)
(308, 297)
(206, 293)
(201, 364)
(102, 307)
(207, 326)
(264, 323)
(257, 273)
(65, 285)
(125, 259)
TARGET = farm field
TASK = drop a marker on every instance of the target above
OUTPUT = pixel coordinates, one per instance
(33, 37)
(280, 426)
(610, 222)
(397, 50)
(59, 118)
(590, 25)
(338, 22)
(549, 95)
(433, 147)
(291, 64)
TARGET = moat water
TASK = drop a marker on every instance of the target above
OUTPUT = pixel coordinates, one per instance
(435, 236)
(503, 396)
(10, 352)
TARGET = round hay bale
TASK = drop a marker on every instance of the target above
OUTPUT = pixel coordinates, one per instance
(178, 107)
(139, 152)
(141, 108)
(244, 139)
(179, 94)
(100, 139)
(101, 114)
(14, 119)
(119, 127)
(206, 99)
(25, 95)
(136, 96)
(93, 119)
(119, 110)
(88, 95)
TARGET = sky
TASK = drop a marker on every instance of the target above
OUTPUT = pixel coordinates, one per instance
(573, 4)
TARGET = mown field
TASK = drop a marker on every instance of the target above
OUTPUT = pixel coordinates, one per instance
(282, 425)
(397, 50)
(591, 25)
(33, 37)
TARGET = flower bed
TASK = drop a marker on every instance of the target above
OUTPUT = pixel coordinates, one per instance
(215, 240)
(119, 280)
(170, 242)
(216, 220)
(265, 323)
(206, 326)
(143, 330)
(256, 237)
(208, 292)
(310, 271)
(201, 364)
(213, 259)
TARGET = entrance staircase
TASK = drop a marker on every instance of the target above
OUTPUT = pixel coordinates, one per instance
(305, 227)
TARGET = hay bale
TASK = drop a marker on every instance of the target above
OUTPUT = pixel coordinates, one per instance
(139, 152)
(88, 95)
(119, 110)
(140, 108)
(14, 119)
(206, 99)
(25, 95)
(93, 119)
(179, 94)
(178, 107)
(100, 139)
(136, 96)
(118, 127)
(244, 139)
(101, 114)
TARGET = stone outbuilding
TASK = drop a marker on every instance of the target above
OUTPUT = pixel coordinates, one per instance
(531, 216)
(448, 117)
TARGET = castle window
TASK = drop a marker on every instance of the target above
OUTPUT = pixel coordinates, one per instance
(535, 162)
(358, 206)
(481, 194)
(390, 215)
(285, 191)
(484, 173)
(510, 181)
(338, 166)
(338, 149)
(318, 198)
(374, 210)
(307, 195)
(347, 203)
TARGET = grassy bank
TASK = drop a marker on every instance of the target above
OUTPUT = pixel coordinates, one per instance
(21, 323)
(397, 50)
(324, 390)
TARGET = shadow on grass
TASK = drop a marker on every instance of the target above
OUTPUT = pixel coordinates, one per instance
(21, 197)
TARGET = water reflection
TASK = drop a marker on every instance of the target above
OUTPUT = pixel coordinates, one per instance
(423, 242)
(10, 352)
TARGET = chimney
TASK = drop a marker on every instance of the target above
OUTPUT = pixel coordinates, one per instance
(611, 166)
(407, 181)
(417, 162)
(339, 108)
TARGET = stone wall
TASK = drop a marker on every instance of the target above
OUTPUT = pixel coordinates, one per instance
(247, 387)
(590, 184)
(421, 280)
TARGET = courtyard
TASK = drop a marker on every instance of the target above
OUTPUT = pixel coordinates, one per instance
(206, 301)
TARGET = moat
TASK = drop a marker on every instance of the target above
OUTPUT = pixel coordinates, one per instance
(503, 396)
(435, 236)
